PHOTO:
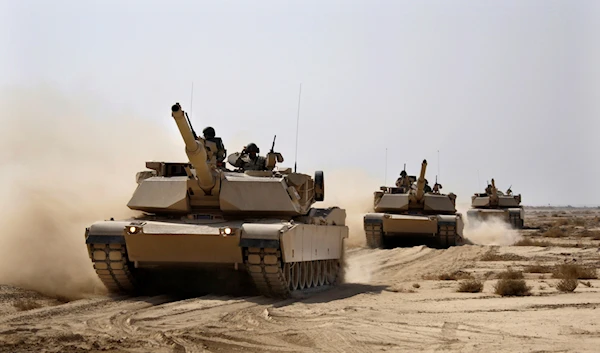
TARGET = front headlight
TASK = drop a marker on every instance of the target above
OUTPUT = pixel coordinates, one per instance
(226, 231)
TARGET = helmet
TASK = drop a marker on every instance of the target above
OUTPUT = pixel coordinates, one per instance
(208, 132)
(252, 147)
(403, 173)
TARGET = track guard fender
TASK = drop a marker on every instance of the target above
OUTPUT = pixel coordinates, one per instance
(256, 235)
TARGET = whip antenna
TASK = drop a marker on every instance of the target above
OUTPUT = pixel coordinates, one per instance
(192, 101)
(385, 176)
(438, 173)
(297, 125)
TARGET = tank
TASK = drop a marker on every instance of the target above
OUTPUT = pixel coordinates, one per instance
(413, 214)
(494, 204)
(205, 228)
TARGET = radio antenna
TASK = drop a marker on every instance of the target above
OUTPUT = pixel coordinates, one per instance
(297, 126)
(192, 101)
(438, 173)
(386, 163)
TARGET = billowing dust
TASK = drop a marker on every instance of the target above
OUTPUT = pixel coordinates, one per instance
(488, 232)
(353, 191)
(63, 170)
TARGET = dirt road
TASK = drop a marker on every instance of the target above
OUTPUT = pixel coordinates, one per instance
(396, 303)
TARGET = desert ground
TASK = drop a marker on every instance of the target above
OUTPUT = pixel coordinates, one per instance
(396, 300)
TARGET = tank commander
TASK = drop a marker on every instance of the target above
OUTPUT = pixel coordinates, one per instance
(488, 190)
(250, 160)
(427, 188)
(221, 152)
(400, 181)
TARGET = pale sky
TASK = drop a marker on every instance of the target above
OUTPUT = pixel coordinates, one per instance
(503, 89)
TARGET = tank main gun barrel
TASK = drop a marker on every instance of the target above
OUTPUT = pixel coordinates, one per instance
(494, 196)
(421, 181)
(194, 149)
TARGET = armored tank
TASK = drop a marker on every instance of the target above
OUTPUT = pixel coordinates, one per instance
(209, 227)
(494, 204)
(413, 214)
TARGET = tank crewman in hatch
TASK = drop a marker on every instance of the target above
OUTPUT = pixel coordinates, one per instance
(400, 181)
(250, 160)
(427, 188)
(221, 152)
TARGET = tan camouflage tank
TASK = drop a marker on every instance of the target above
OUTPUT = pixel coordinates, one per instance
(210, 229)
(410, 214)
(494, 204)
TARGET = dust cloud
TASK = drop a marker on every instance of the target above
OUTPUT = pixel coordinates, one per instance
(63, 169)
(488, 232)
(352, 190)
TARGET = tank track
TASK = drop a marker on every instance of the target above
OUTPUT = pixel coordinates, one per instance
(515, 220)
(447, 235)
(274, 278)
(110, 263)
(374, 235)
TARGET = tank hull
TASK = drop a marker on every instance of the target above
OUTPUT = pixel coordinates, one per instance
(385, 230)
(268, 257)
(515, 217)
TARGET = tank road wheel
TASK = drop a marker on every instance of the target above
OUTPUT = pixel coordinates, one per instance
(110, 263)
(446, 236)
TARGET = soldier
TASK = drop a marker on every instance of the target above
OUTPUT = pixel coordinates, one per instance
(488, 190)
(400, 181)
(427, 188)
(221, 152)
(250, 160)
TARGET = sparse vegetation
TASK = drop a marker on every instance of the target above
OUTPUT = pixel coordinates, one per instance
(512, 287)
(567, 285)
(562, 222)
(537, 268)
(416, 285)
(530, 242)
(510, 274)
(493, 256)
(593, 234)
(574, 271)
(554, 233)
(453, 276)
(470, 286)
(26, 304)
(579, 221)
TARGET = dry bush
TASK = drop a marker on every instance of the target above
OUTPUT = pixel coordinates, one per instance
(26, 304)
(455, 276)
(510, 274)
(537, 268)
(594, 234)
(416, 285)
(567, 285)
(562, 222)
(493, 256)
(554, 233)
(574, 271)
(470, 286)
(529, 242)
(512, 287)
(579, 221)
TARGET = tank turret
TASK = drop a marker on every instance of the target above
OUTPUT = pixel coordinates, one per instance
(255, 227)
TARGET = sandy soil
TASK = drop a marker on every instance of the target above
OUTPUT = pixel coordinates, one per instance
(395, 302)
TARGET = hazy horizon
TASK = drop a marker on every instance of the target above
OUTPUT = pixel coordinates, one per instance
(505, 90)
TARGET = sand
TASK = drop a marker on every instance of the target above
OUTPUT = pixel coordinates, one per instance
(394, 301)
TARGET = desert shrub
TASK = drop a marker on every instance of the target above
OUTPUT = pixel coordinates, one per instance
(470, 286)
(537, 268)
(562, 222)
(579, 222)
(512, 287)
(493, 256)
(510, 274)
(26, 304)
(554, 233)
(453, 276)
(529, 242)
(574, 271)
(567, 285)
(416, 285)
